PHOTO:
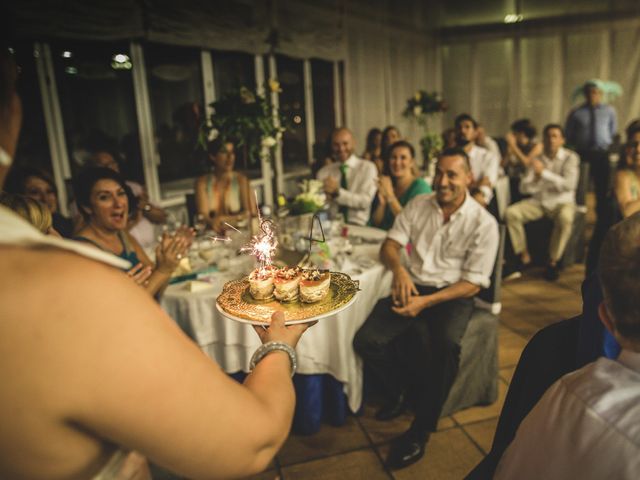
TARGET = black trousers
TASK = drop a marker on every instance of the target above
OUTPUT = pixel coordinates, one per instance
(420, 354)
(599, 171)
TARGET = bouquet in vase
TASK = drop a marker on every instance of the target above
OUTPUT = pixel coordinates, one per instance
(311, 198)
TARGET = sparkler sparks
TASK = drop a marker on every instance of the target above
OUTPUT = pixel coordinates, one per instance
(263, 245)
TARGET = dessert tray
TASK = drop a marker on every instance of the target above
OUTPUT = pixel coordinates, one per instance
(237, 303)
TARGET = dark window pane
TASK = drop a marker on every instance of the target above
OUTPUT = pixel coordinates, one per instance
(323, 105)
(33, 144)
(292, 106)
(174, 77)
(95, 87)
(232, 70)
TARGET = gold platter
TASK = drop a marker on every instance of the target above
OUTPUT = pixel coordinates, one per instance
(236, 302)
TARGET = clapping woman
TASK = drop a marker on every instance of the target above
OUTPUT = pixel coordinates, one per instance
(104, 202)
(397, 185)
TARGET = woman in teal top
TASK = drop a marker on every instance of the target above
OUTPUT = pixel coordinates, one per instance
(397, 186)
(101, 195)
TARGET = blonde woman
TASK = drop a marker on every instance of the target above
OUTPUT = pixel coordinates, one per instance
(31, 210)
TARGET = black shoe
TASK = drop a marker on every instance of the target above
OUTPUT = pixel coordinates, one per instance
(406, 450)
(552, 273)
(392, 409)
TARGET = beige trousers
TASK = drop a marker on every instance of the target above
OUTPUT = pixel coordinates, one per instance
(528, 210)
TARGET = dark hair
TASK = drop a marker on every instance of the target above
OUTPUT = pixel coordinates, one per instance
(524, 126)
(550, 126)
(619, 264)
(386, 169)
(456, 152)
(85, 181)
(384, 145)
(371, 136)
(465, 117)
(632, 128)
(16, 180)
(218, 144)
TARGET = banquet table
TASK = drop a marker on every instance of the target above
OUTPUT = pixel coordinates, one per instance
(326, 348)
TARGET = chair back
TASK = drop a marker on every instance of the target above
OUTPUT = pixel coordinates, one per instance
(583, 184)
(491, 295)
(191, 207)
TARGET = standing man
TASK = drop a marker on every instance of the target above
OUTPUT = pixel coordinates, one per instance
(551, 179)
(350, 181)
(590, 129)
(484, 163)
(412, 338)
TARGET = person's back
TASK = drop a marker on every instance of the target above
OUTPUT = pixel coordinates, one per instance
(90, 363)
(586, 425)
(588, 420)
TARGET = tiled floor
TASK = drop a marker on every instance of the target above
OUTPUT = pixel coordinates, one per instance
(356, 450)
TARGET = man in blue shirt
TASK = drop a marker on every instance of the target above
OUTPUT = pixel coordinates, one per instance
(590, 130)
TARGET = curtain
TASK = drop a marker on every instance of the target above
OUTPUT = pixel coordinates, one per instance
(534, 75)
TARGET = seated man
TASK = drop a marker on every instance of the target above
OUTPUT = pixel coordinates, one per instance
(350, 181)
(551, 180)
(421, 325)
(484, 163)
(585, 425)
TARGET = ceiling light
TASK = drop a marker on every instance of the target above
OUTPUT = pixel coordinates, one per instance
(513, 18)
(67, 54)
(121, 58)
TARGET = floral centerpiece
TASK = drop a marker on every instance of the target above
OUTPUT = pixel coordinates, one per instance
(420, 108)
(311, 198)
(249, 120)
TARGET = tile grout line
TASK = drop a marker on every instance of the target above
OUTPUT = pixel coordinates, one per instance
(375, 449)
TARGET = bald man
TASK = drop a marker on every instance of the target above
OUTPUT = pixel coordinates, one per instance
(351, 181)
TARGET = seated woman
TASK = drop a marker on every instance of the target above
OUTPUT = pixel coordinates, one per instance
(141, 224)
(373, 149)
(34, 183)
(223, 196)
(103, 201)
(34, 212)
(627, 178)
(397, 186)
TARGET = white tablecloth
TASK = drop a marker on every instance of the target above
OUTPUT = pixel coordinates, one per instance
(325, 348)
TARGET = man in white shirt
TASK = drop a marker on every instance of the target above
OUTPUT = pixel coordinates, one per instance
(350, 181)
(484, 163)
(413, 337)
(586, 425)
(551, 180)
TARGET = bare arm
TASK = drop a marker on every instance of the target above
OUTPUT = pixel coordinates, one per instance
(622, 190)
(378, 213)
(402, 287)
(150, 388)
(202, 200)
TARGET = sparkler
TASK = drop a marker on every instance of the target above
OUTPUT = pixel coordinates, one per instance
(262, 245)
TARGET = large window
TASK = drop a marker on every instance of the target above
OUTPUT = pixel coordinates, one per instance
(232, 70)
(33, 145)
(323, 103)
(95, 88)
(292, 106)
(174, 77)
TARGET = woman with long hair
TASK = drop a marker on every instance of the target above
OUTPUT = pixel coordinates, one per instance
(398, 184)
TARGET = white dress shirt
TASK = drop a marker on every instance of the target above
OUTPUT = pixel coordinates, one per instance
(558, 182)
(484, 164)
(586, 426)
(464, 248)
(362, 177)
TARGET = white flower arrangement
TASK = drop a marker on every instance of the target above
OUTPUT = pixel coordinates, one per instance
(312, 197)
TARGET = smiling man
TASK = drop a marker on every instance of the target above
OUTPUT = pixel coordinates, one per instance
(350, 181)
(413, 337)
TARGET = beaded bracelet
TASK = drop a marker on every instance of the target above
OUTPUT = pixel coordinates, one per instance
(274, 346)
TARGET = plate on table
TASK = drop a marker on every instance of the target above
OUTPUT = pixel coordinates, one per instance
(236, 303)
